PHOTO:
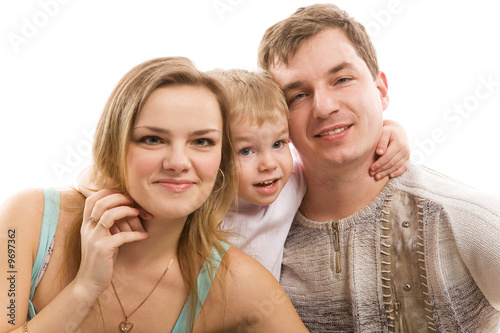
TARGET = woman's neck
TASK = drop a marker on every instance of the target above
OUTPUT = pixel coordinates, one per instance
(162, 241)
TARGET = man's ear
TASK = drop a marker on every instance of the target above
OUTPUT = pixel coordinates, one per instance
(381, 81)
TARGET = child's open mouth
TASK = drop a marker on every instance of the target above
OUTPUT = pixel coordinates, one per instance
(267, 183)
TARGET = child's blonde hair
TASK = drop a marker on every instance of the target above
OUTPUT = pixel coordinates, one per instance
(253, 96)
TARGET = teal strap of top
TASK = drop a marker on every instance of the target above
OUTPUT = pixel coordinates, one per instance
(47, 232)
(204, 283)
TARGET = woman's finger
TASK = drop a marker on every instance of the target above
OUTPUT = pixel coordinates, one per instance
(114, 229)
(123, 225)
(110, 216)
(110, 201)
(121, 238)
(88, 219)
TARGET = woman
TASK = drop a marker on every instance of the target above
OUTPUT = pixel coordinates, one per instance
(148, 254)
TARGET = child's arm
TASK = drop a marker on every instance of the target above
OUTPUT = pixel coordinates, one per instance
(394, 151)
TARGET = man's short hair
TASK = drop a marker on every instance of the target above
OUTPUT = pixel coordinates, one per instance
(281, 41)
(253, 96)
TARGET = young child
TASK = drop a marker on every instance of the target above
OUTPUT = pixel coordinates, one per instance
(271, 183)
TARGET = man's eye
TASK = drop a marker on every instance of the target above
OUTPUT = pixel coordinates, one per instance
(245, 151)
(297, 97)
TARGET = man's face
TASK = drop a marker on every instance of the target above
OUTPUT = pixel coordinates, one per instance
(335, 104)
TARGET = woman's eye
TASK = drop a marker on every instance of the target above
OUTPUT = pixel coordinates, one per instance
(245, 151)
(204, 142)
(151, 140)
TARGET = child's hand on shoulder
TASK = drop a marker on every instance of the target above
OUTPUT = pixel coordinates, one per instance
(394, 151)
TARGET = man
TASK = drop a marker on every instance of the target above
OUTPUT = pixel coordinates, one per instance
(414, 254)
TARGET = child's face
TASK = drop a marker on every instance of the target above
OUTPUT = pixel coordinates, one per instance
(265, 159)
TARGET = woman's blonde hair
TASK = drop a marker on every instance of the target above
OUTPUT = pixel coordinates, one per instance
(282, 40)
(253, 96)
(201, 231)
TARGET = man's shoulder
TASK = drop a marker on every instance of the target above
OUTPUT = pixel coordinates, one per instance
(429, 184)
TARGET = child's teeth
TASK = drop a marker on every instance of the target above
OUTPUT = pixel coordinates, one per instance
(267, 183)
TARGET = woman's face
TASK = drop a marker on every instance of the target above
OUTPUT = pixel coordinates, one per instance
(175, 151)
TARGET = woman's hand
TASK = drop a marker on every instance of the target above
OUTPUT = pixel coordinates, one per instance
(87, 188)
(114, 222)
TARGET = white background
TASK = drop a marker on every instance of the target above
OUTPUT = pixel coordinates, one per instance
(61, 59)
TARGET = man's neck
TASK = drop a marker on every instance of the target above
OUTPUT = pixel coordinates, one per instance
(336, 193)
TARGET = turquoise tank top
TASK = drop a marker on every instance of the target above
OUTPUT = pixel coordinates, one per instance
(47, 232)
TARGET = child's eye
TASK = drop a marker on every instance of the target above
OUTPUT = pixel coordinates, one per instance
(279, 144)
(150, 140)
(204, 142)
(245, 151)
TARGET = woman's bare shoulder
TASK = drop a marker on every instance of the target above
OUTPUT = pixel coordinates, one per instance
(20, 218)
(243, 260)
(23, 206)
(252, 297)
(245, 270)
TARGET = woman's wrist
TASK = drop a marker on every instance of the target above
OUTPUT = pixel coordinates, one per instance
(84, 292)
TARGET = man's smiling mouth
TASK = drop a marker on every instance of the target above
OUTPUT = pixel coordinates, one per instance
(335, 131)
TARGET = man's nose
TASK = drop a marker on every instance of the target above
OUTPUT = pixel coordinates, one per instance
(325, 102)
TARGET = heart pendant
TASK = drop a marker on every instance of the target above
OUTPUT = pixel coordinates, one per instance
(126, 326)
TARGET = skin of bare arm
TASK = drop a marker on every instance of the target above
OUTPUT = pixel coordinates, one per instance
(24, 225)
